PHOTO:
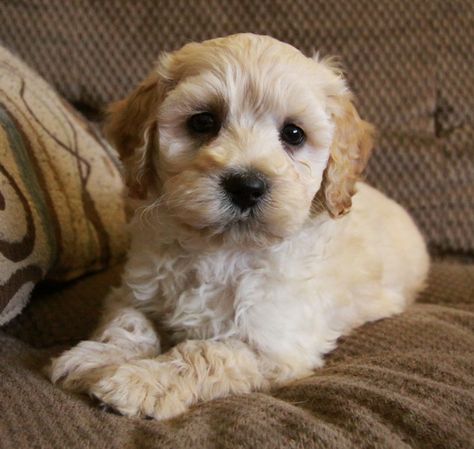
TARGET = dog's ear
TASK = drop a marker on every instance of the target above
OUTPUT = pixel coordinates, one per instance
(131, 126)
(349, 153)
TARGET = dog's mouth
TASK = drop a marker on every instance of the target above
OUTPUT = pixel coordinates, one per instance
(230, 227)
(238, 215)
(231, 222)
(210, 210)
(234, 220)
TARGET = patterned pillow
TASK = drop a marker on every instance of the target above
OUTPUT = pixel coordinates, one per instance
(61, 208)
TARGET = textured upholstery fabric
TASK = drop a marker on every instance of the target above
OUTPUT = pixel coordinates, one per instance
(409, 62)
(61, 209)
(404, 382)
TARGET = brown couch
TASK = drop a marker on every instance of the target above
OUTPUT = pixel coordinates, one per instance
(405, 382)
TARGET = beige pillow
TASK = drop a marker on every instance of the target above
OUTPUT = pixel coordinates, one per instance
(61, 208)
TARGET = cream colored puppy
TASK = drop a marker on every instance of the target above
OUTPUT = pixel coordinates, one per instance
(253, 248)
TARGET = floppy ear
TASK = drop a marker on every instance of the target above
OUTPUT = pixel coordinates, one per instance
(349, 153)
(131, 125)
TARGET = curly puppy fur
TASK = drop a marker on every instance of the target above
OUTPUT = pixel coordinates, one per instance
(220, 300)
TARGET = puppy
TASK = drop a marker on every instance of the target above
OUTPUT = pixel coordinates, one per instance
(253, 245)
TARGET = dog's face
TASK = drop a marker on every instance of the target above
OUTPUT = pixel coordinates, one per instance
(241, 138)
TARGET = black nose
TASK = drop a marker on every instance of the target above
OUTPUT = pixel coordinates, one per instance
(245, 189)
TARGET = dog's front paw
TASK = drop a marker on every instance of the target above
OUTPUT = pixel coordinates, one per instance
(81, 366)
(146, 388)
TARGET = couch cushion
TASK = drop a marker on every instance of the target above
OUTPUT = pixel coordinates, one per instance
(61, 210)
(403, 382)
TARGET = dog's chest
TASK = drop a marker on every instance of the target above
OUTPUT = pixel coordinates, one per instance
(199, 297)
(256, 297)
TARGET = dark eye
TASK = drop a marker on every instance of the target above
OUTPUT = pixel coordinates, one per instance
(292, 135)
(203, 123)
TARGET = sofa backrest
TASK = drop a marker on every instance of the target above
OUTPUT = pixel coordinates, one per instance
(410, 64)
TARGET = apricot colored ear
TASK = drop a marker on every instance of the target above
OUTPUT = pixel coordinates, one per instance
(349, 153)
(131, 126)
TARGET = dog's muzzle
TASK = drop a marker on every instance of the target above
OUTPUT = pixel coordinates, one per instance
(245, 189)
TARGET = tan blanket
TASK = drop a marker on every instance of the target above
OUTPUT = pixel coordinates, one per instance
(406, 382)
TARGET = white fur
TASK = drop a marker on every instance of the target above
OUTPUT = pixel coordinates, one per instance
(296, 297)
(243, 308)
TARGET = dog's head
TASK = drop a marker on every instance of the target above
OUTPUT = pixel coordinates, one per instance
(242, 138)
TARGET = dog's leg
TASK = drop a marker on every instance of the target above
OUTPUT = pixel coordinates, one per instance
(125, 334)
(192, 371)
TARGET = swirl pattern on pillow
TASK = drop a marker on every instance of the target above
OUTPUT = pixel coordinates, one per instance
(61, 207)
